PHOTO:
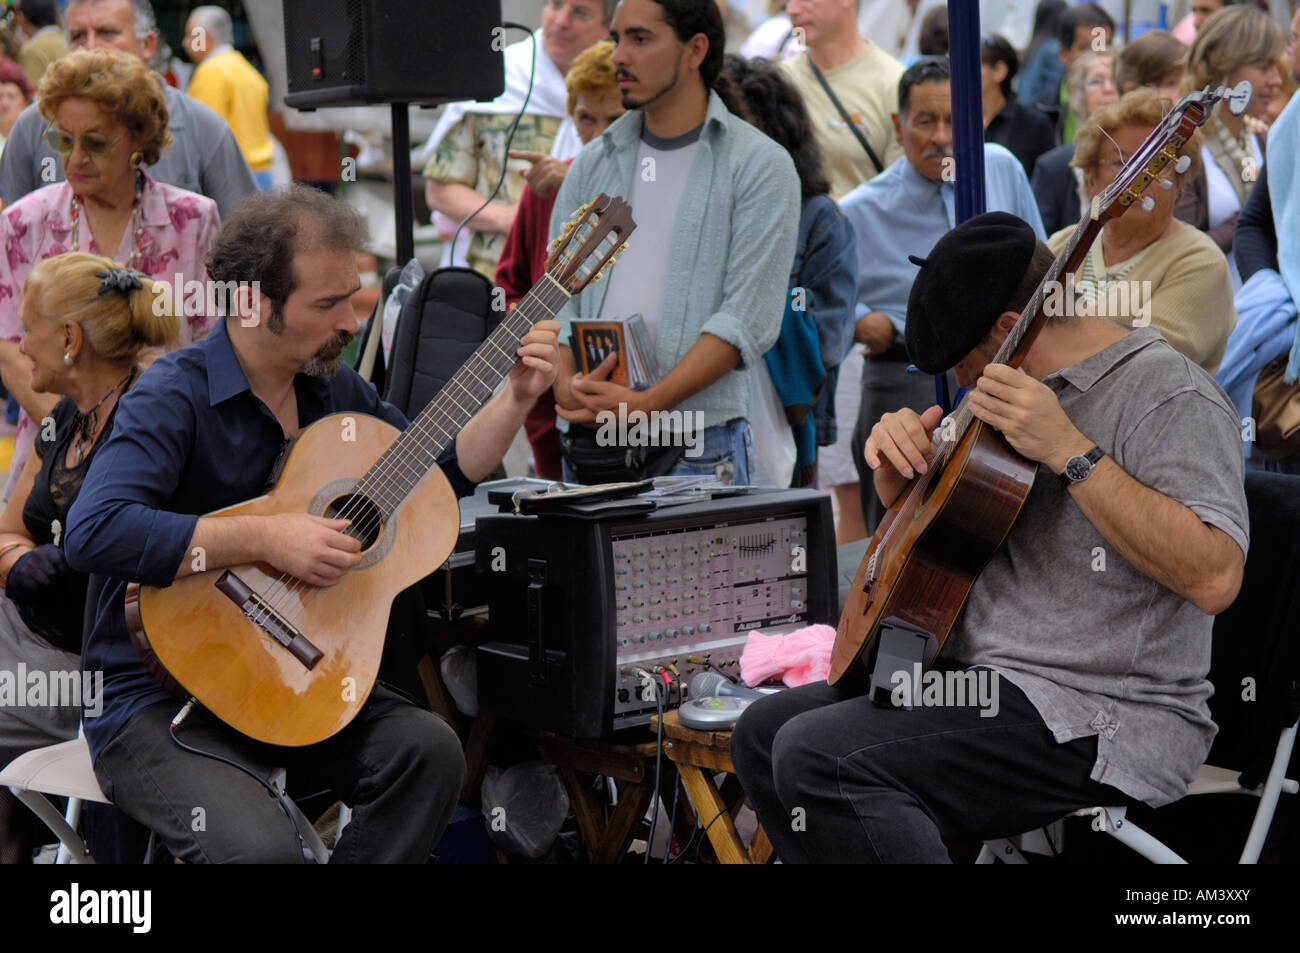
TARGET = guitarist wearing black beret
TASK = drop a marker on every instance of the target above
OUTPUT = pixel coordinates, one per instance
(1083, 647)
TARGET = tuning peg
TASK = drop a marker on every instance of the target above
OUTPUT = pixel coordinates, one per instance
(1240, 97)
(1148, 203)
(622, 248)
(1182, 164)
(597, 276)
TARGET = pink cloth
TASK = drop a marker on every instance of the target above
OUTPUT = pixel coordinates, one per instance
(799, 657)
(179, 227)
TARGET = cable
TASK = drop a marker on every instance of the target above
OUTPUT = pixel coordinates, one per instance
(672, 820)
(278, 795)
(659, 754)
(510, 138)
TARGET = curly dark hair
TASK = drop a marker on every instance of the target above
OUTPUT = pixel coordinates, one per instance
(777, 110)
(267, 229)
(689, 17)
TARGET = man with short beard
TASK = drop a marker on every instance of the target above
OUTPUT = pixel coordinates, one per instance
(903, 212)
(201, 431)
(717, 209)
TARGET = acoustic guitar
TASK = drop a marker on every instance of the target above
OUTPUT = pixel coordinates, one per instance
(289, 663)
(925, 555)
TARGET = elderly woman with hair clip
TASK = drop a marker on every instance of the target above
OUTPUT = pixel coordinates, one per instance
(1235, 44)
(1147, 267)
(85, 323)
(107, 118)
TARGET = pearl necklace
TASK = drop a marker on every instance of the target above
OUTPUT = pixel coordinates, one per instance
(136, 224)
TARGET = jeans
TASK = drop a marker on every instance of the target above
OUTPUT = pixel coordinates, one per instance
(836, 779)
(724, 453)
(399, 767)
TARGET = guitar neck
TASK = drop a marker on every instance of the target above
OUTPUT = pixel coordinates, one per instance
(415, 452)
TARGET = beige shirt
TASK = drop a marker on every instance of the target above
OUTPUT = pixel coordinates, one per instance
(867, 86)
(1179, 285)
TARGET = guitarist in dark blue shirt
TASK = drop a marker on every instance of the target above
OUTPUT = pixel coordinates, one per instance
(201, 431)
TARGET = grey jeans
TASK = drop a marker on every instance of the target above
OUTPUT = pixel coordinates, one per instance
(397, 766)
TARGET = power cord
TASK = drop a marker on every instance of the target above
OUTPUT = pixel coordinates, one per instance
(278, 795)
(510, 138)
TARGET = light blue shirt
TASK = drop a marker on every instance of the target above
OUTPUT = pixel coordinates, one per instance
(732, 245)
(901, 213)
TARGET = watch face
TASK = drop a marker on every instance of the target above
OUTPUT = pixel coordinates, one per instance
(1078, 468)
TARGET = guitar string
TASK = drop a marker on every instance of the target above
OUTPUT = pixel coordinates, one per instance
(393, 465)
(407, 460)
(398, 463)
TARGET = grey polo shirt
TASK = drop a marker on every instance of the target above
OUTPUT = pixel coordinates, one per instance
(1098, 647)
(203, 157)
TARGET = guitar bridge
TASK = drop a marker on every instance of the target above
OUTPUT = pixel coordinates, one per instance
(259, 612)
(869, 581)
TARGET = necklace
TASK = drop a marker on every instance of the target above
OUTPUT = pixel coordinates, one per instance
(136, 224)
(85, 422)
(1238, 147)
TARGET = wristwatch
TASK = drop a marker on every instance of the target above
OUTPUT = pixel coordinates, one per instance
(1079, 468)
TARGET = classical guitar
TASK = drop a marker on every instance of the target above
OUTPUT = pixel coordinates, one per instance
(925, 555)
(289, 663)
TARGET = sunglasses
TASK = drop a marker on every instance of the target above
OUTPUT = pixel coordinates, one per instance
(92, 143)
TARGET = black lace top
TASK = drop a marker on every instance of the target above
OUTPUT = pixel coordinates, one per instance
(58, 616)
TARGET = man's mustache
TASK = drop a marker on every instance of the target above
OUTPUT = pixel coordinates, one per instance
(935, 152)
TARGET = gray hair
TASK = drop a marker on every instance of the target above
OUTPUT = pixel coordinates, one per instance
(143, 20)
(216, 22)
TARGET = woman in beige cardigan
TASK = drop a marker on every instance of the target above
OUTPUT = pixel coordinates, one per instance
(1148, 267)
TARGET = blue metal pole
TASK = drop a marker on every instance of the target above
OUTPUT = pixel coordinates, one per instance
(967, 106)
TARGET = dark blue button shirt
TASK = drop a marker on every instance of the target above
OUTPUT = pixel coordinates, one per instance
(188, 439)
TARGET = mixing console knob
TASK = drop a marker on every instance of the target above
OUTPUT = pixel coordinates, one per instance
(656, 636)
(705, 627)
(796, 603)
(688, 630)
(672, 633)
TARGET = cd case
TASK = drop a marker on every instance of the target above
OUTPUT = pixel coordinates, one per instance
(593, 341)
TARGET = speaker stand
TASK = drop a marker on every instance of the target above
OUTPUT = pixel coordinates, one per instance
(402, 204)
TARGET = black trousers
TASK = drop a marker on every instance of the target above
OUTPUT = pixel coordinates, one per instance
(399, 767)
(836, 779)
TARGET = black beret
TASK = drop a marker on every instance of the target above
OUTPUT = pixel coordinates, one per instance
(962, 287)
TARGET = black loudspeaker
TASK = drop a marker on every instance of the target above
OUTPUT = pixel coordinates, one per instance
(358, 52)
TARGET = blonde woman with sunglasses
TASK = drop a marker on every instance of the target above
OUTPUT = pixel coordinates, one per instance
(107, 118)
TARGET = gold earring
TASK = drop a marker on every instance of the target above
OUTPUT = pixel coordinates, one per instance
(137, 157)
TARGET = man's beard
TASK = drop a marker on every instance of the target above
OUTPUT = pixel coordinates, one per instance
(328, 357)
(630, 103)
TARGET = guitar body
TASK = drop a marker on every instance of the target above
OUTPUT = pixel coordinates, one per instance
(928, 554)
(217, 639)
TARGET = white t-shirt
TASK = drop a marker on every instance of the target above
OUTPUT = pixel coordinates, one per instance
(636, 286)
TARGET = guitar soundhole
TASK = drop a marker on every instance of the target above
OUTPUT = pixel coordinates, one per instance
(367, 522)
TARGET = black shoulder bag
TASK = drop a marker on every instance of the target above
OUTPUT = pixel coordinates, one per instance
(871, 153)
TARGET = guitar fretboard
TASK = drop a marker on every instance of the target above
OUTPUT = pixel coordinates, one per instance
(415, 452)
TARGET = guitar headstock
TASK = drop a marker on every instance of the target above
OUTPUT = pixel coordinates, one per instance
(591, 240)
(1163, 145)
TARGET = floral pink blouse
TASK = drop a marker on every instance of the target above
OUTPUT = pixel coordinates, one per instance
(178, 228)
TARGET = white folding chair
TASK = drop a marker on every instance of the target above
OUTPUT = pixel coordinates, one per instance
(65, 770)
(1209, 780)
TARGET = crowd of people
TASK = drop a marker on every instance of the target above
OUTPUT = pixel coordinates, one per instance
(797, 244)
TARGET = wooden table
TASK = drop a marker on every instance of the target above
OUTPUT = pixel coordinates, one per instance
(698, 756)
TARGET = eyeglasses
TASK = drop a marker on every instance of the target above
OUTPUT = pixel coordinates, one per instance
(92, 143)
